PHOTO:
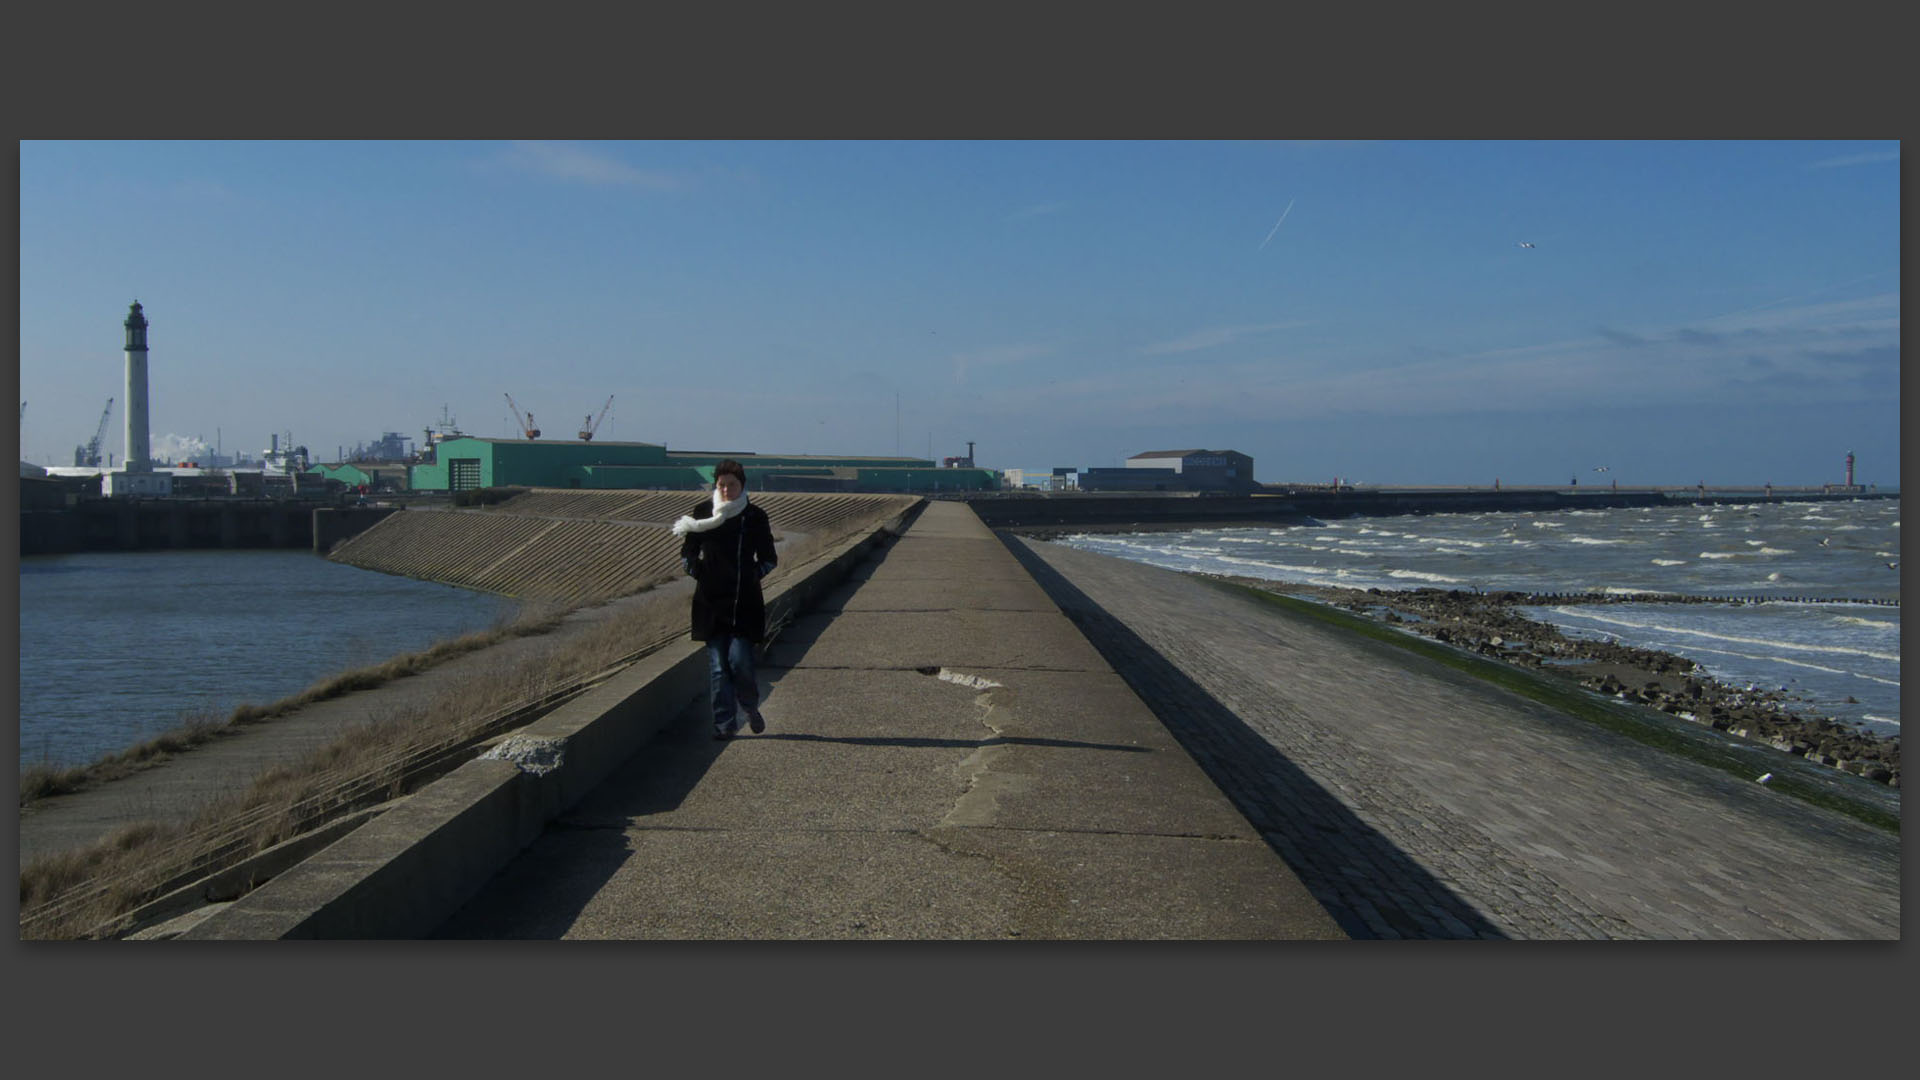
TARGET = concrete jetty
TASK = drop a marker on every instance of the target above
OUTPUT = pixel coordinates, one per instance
(977, 736)
(947, 757)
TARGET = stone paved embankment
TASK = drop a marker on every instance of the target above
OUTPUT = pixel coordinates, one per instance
(1416, 801)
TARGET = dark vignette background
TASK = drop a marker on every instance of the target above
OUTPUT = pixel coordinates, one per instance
(345, 72)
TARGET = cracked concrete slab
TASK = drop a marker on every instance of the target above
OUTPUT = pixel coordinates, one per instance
(961, 639)
(884, 801)
(906, 595)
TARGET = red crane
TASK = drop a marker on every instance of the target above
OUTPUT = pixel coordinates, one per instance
(592, 423)
(525, 423)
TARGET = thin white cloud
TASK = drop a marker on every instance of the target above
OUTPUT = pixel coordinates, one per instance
(1214, 337)
(201, 190)
(1873, 158)
(995, 356)
(566, 161)
(1837, 352)
(1838, 312)
(1039, 210)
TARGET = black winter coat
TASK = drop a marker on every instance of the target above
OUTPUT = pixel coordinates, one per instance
(727, 564)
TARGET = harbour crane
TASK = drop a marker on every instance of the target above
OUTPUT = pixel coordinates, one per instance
(592, 423)
(526, 423)
(88, 456)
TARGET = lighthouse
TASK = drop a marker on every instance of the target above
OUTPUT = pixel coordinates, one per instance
(136, 475)
(138, 456)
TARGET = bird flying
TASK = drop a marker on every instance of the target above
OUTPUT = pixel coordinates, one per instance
(1600, 468)
(1524, 244)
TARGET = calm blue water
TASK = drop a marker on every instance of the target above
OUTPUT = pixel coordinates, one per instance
(118, 646)
(1822, 654)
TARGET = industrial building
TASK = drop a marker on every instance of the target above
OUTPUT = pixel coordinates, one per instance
(465, 463)
(1176, 470)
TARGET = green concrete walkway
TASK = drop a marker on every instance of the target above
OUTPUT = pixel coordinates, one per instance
(947, 758)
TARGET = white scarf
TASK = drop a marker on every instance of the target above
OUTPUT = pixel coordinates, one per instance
(723, 512)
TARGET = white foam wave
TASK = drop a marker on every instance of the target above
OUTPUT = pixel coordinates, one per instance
(1549, 524)
(1615, 590)
(1669, 562)
(1722, 554)
(1878, 624)
(1894, 720)
(1739, 640)
(1288, 567)
(1593, 540)
(1416, 575)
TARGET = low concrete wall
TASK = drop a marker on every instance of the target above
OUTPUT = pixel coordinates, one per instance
(404, 873)
(331, 525)
(147, 524)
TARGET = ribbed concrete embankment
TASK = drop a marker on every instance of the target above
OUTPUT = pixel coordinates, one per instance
(577, 545)
(947, 758)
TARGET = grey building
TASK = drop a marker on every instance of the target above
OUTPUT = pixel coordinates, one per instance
(1199, 470)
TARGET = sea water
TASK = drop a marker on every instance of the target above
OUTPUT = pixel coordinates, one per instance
(1820, 653)
(116, 647)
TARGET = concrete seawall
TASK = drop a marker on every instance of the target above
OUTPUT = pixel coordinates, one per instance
(154, 524)
(1023, 792)
(401, 874)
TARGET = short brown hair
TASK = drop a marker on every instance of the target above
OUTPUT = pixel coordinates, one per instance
(733, 467)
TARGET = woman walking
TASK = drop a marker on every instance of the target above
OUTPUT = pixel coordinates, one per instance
(728, 547)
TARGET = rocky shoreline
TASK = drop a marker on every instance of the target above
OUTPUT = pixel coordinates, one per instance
(1489, 624)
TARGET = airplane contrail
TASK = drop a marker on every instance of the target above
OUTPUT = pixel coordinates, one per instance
(1276, 225)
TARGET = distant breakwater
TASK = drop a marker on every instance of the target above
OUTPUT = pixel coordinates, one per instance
(1048, 516)
(1543, 599)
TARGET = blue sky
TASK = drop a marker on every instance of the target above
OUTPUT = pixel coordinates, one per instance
(1725, 312)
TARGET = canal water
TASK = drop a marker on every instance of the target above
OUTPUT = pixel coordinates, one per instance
(116, 647)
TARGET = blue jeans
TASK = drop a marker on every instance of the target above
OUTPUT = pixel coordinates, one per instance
(731, 679)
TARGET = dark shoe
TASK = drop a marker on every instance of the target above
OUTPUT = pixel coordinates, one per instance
(723, 734)
(755, 721)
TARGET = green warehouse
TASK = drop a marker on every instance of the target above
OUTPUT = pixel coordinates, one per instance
(465, 463)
